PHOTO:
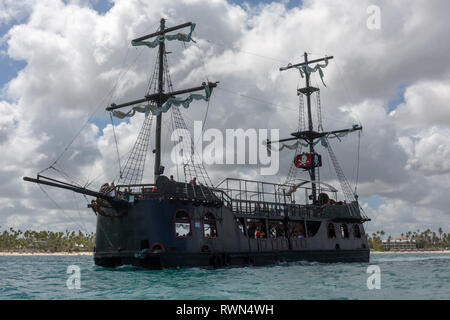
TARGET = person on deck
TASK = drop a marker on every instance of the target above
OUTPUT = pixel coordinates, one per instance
(258, 233)
(112, 189)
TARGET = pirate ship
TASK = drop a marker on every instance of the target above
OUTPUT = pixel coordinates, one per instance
(171, 223)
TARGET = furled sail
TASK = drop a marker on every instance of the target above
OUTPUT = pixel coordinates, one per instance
(179, 36)
(307, 69)
(153, 108)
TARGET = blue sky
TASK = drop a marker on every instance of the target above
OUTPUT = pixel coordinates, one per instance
(398, 98)
(8, 67)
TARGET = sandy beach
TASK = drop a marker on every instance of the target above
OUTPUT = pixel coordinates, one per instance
(91, 253)
(46, 253)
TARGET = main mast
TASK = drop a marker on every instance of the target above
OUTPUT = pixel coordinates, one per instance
(158, 169)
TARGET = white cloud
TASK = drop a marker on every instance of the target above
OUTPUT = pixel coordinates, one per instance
(397, 216)
(426, 104)
(11, 10)
(431, 151)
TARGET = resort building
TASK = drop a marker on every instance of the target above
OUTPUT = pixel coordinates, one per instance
(399, 244)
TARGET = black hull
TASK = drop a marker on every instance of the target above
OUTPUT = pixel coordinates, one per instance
(145, 235)
(158, 261)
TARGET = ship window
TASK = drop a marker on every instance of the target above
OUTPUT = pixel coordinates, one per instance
(356, 231)
(209, 226)
(276, 230)
(256, 228)
(344, 231)
(331, 231)
(297, 229)
(182, 224)
(312, 227)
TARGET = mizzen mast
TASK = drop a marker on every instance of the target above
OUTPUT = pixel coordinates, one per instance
(310, 136)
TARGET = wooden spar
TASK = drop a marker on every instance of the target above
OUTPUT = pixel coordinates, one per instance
(307, 135)
(155, 97)
(64, 185)
(164, 31)
(304, 63)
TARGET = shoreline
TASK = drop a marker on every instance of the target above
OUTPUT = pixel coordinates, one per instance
(409, 251)
(18, 253)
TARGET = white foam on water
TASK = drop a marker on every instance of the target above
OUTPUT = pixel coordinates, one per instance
(408, 257)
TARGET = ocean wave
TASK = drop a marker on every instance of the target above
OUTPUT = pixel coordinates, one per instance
(410, 257)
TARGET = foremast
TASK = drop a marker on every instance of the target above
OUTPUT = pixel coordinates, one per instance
(161, 97)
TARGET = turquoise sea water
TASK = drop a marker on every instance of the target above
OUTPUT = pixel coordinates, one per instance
(403, 276)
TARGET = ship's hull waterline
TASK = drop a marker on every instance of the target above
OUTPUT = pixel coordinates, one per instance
(145, 235)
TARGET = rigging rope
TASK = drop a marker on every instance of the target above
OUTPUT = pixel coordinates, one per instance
(117, 145)
(192, 167)
(59, 207)
(78, 208)
(357, 163)
(292, 173)
(134, 167)
(207, 79)
(110, 94)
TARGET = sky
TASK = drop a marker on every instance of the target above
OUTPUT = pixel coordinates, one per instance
(63, 62)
